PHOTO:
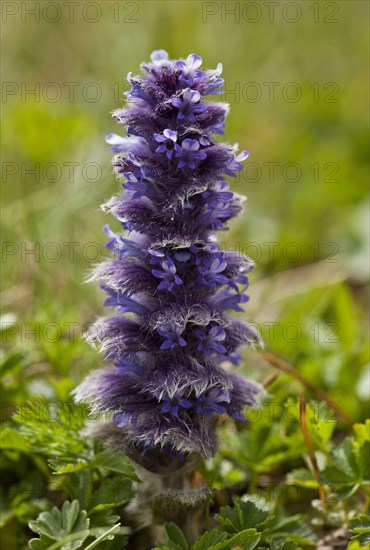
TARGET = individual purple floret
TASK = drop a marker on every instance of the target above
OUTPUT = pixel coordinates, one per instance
(210, 338)
(171, 332)
(188, 153)
(167, 142)
(171, 339)
(188, 105)
(168, 275)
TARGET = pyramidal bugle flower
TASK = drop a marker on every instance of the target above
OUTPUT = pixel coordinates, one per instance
(172, 339)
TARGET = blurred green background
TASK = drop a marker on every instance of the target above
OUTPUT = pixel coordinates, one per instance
(296, 81)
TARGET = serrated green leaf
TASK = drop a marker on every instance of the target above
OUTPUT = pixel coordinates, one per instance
(175, 535)
(114, 462)
(295, 527)
(38, 544)
(303, 478)
(102, 519)
(79, 485)
(364, 539)
(52, 431)
(344, 457)
(348, 467)
(244, 515)
(111, 493)
(66, 529)
(342, 465)
(358, 524)
(265, 444)
(210, 540)
(336, 476)
(70, 514)
(361, 527)
(63, 468)
(247, 540)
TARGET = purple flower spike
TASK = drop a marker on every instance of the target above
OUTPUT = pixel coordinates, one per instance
(171, 337)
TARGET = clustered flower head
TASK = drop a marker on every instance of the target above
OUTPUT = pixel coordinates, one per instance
(172, 340)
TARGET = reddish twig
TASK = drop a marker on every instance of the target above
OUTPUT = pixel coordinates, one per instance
(270, 378)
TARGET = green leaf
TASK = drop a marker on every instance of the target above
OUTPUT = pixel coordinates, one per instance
(348, 466)
(244, 515)
(247, 540)
(361, 527)
(119, 542)
(303, 478)
(210, 540)
(111, 493)
(114, 462)
(218, 540)
(289, 544)
(79, 485)
(342, 466)
(345, 316)
(102, 519)
(11, 364)
(107, 535)
(294, 527)
(362, 431)
(175, 535)
(13, 440)
(53, 429)
(66, 529)
(364, 462)
(5, 516)
(70, 514)
(265, 444)
(320, 424)
(59, 467)
(108, 460)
